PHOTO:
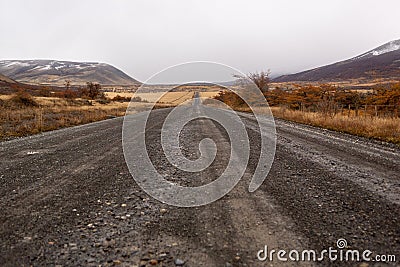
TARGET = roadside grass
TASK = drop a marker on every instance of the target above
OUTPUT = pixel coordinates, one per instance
(380, 128)
(23, 115)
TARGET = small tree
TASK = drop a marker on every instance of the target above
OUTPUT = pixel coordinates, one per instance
(93, 90)
(24, 98)
(44, 91)
(67, 84)
(260, 79)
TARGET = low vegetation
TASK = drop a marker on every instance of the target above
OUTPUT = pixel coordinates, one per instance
(169, 98)
(37, 109)
(372, 114)
(380, 128)
(28, 110)
(22, 114)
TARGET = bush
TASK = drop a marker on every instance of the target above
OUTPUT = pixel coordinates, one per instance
(121, 98)
(138, 99)
(103, 101)
(128, 99)
(25, 99)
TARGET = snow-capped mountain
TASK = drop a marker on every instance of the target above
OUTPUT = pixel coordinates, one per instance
(381, 62)
(56, 72)
(386, 48)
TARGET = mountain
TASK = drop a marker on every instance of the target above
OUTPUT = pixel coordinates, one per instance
(56, 72)
(381, 62)
(386, 48)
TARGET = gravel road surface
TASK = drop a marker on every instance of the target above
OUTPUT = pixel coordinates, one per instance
(68, 199)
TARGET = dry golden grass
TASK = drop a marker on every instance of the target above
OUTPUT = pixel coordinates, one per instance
(176, 98)
(5, 97)
(362, 83)
(385, 129)
(52, 113)
(209, 94)
(149, 97)
(114, 94)
(136, 107)
(29, 121)
(173, 98)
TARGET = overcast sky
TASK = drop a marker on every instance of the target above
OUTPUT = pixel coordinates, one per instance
(142, 37)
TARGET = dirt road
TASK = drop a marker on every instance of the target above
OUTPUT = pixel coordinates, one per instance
(68, 199)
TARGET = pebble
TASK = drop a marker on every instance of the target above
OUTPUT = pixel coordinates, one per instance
(179, 262)
(109, 243)
(153, 262)
(163, 210)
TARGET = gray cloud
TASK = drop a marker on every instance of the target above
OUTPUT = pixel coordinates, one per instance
(142, 37)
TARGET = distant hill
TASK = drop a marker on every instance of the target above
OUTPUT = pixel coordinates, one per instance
(381, 62)
(6, 79)
(9, 86)
(56, 72)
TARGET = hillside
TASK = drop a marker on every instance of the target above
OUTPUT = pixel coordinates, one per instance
(381, 62)
(57, 72)
(9, 86)
(6, 79)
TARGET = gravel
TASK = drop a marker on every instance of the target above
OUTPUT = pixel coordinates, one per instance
(74, 203)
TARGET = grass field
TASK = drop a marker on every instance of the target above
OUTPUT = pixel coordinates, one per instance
(114, 94)
(39, 114)
(19, 118)
(380, 128)
(209, 94)
(173, 98)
